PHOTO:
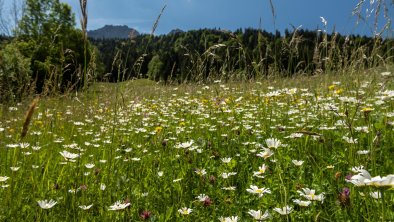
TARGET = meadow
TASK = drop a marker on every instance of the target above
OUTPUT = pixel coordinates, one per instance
(293, 149)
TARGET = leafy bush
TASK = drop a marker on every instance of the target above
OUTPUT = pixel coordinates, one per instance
(15, 74)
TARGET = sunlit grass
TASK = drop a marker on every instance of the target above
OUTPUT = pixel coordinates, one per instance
(279, 149)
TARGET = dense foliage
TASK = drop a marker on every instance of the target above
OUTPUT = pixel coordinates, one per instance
(244, 54)
(49, 49)
(3, 38)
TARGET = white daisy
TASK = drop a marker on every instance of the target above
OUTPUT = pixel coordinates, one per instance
(46, 204)
(185, 211)
(119, 205)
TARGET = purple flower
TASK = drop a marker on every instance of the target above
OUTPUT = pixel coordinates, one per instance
(348, 177)
(344, 197)
(346, 191)
(145, 215)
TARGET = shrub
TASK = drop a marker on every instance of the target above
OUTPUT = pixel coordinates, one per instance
(15, 74)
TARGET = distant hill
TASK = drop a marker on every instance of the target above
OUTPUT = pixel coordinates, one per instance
(113, 32)
(176, 31)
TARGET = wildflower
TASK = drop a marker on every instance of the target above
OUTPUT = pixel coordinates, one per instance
(348, 100)
(158, 129)
(260, 191)
(273, 143)
(363, 129)
(344, 197)
(26, 153)
(79, 123)
(14, 168)
(227, 175)
(295, 135)
(46, 204)
(376, 195)
(302, 203)
(365, 179)
(205, 199)
(202, 197)
(387, 94)
(284, 210)
(200, 172)
(367, 109)
(229, 188)
(338, 91)
(69, 156)
(362, 152)
(228, 219)
(185, 145)
(36, 148)
(350, 140)
(12, 145)
(266, 154)
(261, 171)
(119, 205)
(84, 207)
(24, 145)
(145, 215)
(160, 173)
(357, 169)
(257, 215)
(89, 165)
(73, 191)
(378, 181)
(3, 178)
(102, 186)
(226, 160)
(297, 162)
(310, 194)
(359, 179)
(185, 211)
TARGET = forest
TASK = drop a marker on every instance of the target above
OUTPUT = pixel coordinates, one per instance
(208, 54)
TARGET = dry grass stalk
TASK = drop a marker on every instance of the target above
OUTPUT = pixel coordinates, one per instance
(28, 117)
(158, 19)
(84, 19)
(273, 10)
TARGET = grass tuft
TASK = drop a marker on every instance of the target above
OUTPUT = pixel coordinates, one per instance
(28, 117)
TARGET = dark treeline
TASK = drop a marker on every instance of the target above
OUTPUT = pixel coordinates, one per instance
(206, 54)
(4, 38)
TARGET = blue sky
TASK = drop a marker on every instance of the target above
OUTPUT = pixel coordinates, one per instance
(224, 14)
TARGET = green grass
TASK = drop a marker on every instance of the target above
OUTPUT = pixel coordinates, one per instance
(133, 131)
